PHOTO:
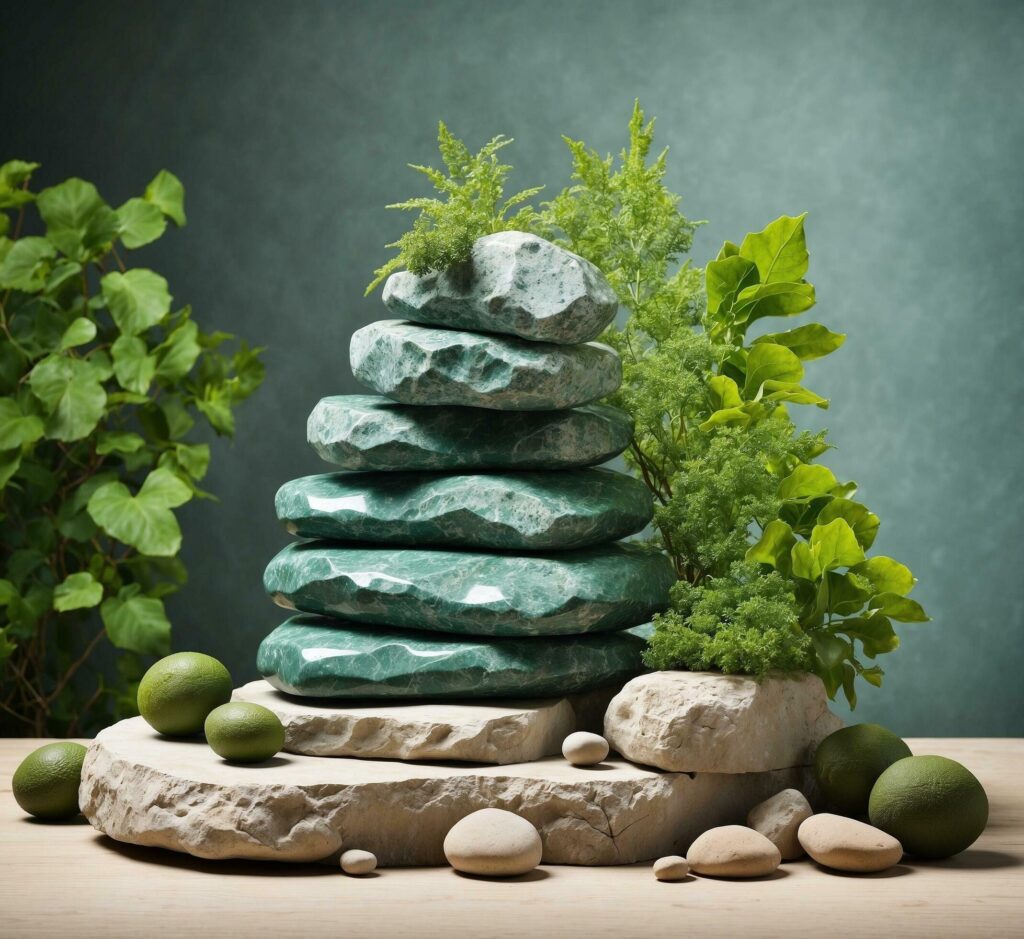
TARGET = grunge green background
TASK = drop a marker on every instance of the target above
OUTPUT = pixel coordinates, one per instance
(897, 126)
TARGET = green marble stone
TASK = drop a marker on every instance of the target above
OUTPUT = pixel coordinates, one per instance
(420, 365)
(321, 658)
(607, 587)
(514, 283)
(530, 511)
(367, 432)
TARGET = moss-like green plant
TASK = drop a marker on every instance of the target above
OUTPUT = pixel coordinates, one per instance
(101, 385)
(472, 204)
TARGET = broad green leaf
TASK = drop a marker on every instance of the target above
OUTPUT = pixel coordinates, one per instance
(7, 592)
(13, 174)
(68, 210)
(62, 272)
(79, 332)
(194, 458)
(178, 353)
(72, 395)
(78, 592)
(803, 563)
(10, 462)
(791, 392)
(863, 522)
(724, 392)
(774, 546)
(143, 521)
(875, 633)
(139, 222)
(118, 441)
(887, 575)
(136, 622)
(133, 366)
(873, 675)
(725, 278)
(137, 299)
(782, 299)
(808, 481)
(25, 266)
(831, 649)
(770, 362)
(16, 427)
(728, 250)
(740, 416)
(166, 192)
(845, 594)
(835, 545)
(899, 608)
(779, 250)
(7, 644)
(215, 406)
(806, 342)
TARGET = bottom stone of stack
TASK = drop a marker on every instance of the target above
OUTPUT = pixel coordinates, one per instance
(144, 789)
(495, 731)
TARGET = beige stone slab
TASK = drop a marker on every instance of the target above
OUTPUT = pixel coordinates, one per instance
(140, 788)
(477, 731)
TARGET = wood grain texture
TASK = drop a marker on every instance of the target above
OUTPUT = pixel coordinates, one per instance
(60, 880)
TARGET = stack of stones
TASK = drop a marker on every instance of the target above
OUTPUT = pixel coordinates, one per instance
(470, 549)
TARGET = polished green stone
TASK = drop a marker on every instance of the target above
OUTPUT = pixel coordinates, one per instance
(527, 511)
(607, 587)
(367, 432)
(514, 283)
(420, 365)
(316, 657)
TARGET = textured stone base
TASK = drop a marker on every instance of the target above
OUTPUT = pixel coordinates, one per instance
(497, 732)
(143, 789)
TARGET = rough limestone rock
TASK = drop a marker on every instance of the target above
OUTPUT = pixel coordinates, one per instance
(708, 722)
(143, 789)
(672, 868)
(316, 657)
(515, 283)
(733, 851)
(845, 844)
(365, 432)
(476, 731)
(779, 819)
(419, 365)
(596, 589)
(493, 843)
(542, 510)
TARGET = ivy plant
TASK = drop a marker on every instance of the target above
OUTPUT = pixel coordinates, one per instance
(105, 385)
(769, 547)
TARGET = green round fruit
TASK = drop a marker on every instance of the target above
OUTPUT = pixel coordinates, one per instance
(244, 732)
(848, 762)
(46, 783)
(933, 806)
(177, 693)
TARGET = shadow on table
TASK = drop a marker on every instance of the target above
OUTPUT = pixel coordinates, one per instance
(233, 867)
(900, 870)
(973, 859)
(534, 875)
(59, 822)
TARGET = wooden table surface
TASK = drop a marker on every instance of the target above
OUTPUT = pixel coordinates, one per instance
(67, 880)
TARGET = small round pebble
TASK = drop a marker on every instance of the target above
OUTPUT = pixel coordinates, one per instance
(844, 844)
(358, 862)
(493, 843)
(584, 749)
(733, 851)
(671, 868)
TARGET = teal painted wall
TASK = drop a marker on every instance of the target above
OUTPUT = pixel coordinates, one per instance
(898, 126)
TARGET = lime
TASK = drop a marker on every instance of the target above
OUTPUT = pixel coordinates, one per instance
(935, 807)
(244, 732)
(46, 782)
(848, 762)
(177, 693)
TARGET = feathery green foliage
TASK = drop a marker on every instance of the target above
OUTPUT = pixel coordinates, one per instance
(101, 388)
(473, 204)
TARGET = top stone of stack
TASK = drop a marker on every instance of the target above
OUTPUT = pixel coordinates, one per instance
(514, 283)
